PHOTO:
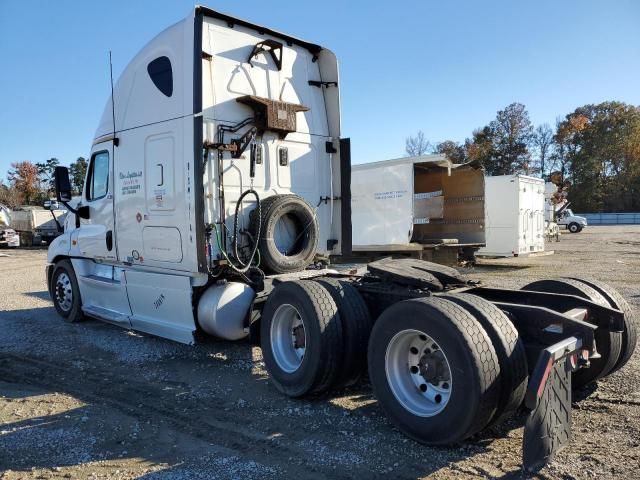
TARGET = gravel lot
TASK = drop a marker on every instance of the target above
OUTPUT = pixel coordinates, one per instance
(91, 400)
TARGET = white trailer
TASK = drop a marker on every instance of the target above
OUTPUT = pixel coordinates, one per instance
(515, 219)
(216, 176)
(423, 206)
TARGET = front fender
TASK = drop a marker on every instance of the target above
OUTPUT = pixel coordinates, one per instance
(59, 247)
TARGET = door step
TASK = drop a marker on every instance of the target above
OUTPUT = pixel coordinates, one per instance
(107, 315)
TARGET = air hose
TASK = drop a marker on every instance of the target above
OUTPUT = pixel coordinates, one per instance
(245, 266)
(242, 266)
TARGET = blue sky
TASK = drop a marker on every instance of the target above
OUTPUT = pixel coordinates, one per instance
(441, 67)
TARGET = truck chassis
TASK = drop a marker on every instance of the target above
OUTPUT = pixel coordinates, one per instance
(568, 333)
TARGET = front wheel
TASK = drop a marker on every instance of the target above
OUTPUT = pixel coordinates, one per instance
(65, 292)
(574, 227)
(433, 370)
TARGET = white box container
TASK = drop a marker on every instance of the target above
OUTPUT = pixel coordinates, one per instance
(414, 201)
(514, 215)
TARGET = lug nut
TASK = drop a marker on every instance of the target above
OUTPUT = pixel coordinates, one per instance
(445, 385)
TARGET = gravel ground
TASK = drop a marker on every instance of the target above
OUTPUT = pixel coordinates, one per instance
(92, 400)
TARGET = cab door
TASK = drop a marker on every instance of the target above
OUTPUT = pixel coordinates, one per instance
(96, 234)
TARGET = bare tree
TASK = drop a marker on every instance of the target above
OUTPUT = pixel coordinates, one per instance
(418, 145)
(542, 140)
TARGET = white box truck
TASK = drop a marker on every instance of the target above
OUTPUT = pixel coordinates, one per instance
(425, 207)
(36, 224)
(217, 173)
(515, 217)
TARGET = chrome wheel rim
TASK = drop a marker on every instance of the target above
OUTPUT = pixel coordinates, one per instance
(288, 338)
(418, 373)
(64, 292)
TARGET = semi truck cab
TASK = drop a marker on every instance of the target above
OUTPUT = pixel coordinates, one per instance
(213, 115)
(573, 223)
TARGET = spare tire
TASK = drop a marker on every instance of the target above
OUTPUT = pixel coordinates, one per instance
(288, 235)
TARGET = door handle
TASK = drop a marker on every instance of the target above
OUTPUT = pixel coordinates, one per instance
(109, 240)
(161, 174)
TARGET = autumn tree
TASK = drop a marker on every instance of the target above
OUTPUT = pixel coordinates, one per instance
(479, 147)
(601, 150)
(45, 173)
(9, 196)
(502, 147)
(452, 150)
(542, 141)
(23, 176)
(417, 145)
(511, 135)
(77, 172)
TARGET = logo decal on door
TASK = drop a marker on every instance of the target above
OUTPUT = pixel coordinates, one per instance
(159, 301)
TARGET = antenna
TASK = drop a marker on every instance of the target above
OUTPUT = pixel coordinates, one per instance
(113, 105)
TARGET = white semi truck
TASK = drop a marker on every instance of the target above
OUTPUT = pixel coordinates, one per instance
(216, 175)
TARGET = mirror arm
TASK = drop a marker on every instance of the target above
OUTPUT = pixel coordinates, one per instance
(69, 207)
(82, 212)
(58, 226)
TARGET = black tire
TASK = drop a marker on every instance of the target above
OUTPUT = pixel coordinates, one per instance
(73, 312)
(301, 216)
(320, 364)
(473, 364)
(609, 344)
(630, 333)
(26, 239)
(574, 227)
(512, 357)
(356, 328)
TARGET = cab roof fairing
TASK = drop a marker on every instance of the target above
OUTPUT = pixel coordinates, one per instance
(129, 112)
(123, 87)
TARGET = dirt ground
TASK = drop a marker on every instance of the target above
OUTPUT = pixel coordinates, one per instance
(91, 400)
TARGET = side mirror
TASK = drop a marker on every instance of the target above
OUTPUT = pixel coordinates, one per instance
(63, 192)
(63, 185)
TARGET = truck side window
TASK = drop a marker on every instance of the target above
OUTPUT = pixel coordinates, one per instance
(161, 74)
(98, 181)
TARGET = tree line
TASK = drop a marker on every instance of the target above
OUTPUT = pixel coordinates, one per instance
(594, 152)
(32, 183)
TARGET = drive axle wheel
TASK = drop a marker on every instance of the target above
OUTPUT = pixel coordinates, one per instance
(608, 344)
(433, 370)
(301, 338)
(514, 373)
(65, 292)
(617, 301)
(356, 328)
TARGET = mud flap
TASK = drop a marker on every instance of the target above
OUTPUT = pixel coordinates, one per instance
(548, 427)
